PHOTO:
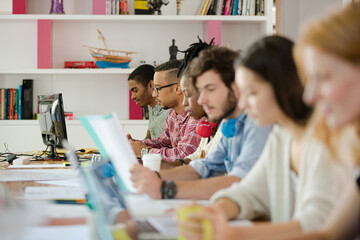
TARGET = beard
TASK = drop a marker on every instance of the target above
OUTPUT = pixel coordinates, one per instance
(228, 107)
(165, 107)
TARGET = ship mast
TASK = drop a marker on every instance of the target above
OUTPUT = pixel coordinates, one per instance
(103, 39)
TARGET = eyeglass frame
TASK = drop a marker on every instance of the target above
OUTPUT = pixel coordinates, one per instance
(157, 89)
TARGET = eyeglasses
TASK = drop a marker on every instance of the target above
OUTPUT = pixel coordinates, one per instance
(157, 89)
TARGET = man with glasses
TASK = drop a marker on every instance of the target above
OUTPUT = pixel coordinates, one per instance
(179, 138)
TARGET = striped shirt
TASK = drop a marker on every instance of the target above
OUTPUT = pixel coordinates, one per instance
(179, 138)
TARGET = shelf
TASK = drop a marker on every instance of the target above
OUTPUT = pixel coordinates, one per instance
(67, 71)
(133, 18)
(68, 122)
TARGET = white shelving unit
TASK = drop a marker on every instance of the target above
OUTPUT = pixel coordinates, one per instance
(25, 136)
(101, 91)
(131, 18)
(53, 71)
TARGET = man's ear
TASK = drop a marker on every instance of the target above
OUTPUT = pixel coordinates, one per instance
(236, 90)
(151, 85)
(178, 89)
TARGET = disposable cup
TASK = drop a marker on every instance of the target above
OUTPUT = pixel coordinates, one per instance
(152, 161)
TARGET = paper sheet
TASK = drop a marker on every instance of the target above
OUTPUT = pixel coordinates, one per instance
(106, 131)
(166, 225)
(36, 174)
(54, 193)
(69, 232)
(64, 183)
(54, 210)
(141, 206)
(38, 166)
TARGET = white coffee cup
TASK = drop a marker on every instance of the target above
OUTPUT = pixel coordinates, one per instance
(152, 161)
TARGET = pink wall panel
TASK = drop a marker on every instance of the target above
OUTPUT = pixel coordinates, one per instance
(99, 7)
(44, 44)
(135, 112)
(212, 29)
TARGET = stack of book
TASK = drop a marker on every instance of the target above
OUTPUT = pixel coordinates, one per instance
(232, 7)
(17, 103)
(116, 7)
(10, 102)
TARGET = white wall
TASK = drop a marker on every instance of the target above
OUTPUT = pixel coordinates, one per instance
(6, 6)
(25, 135)
(296, 13)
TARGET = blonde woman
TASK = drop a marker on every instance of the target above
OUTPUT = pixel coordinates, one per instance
(328, 54)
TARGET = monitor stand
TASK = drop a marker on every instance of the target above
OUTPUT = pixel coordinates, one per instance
(52, 155)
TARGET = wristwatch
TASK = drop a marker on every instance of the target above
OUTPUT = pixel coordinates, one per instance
(144, 151)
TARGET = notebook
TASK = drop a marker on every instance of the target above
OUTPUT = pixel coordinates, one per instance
(150, 216)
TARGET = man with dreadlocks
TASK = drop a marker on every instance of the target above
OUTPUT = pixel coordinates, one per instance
(236, 152)
(210, 135)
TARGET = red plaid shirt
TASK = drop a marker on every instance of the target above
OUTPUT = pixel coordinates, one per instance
(179, 138)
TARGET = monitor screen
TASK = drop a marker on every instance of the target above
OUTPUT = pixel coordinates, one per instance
(52, 121)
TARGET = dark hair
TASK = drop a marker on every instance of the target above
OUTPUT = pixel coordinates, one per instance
(169, 65)
(219, 59)
(142, 74)
(271, 58)
(192, 52)
(172, 68)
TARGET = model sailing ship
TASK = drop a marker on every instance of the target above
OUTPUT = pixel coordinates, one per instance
(107, 58)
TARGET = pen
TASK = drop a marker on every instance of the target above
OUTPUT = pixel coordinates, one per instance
(70, 201)
(68, 164)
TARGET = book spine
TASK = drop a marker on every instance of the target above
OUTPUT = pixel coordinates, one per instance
(205, 7)
(117, 7)
(212, 8)
(235, 9)
(248, 3)
(257, 8)
(231, 10)
(113, 3)
(240, 7)
(218, 7)
(11, 104)
(200, 8)
(252, 7)
(16, 105)
(108, 7)
(208, 7)
(223, 7)
(6, 104)
(227, 7)
(20, 99)
(2, 104)
(244, 7)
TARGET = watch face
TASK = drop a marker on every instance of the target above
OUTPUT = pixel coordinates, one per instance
(144, 151)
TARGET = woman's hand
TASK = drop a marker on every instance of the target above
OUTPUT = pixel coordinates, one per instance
(211, 223)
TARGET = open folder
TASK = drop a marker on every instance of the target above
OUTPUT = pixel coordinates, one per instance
(106, 132)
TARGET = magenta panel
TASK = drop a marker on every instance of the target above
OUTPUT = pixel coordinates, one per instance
(99, 7)
(212, 29)
(44, 44)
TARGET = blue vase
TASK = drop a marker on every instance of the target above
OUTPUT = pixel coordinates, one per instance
(57, 7)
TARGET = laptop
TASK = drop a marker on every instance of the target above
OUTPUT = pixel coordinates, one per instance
(150, 216)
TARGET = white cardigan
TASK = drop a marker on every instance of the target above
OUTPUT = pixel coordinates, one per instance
(267, 190)
(205, 145)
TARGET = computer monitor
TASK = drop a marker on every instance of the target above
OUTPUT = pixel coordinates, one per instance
(52, 122)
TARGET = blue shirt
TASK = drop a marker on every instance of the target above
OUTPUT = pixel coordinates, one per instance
(243, 149)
